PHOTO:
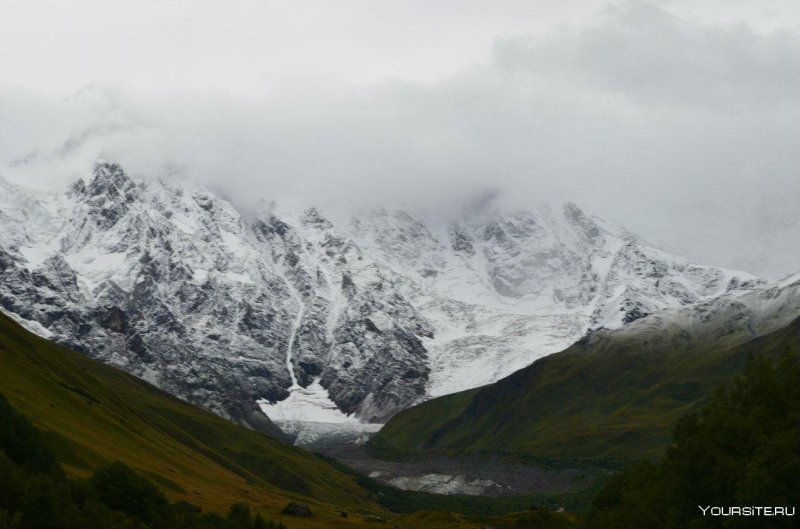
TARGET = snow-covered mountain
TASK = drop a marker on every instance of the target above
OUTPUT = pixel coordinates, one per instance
(303, 317)
(726, 321)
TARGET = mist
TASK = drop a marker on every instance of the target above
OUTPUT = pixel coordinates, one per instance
(685, 129)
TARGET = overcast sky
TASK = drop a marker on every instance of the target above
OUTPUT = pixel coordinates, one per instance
(680, 119)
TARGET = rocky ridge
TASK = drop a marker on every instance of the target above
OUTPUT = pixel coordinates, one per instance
(171, 283)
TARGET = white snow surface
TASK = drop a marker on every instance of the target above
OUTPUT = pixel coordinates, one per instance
(30, 325)
(309, 404)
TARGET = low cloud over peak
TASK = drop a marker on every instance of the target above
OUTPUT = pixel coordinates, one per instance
(657, 118)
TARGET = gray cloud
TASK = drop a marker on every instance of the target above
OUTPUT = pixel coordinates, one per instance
(669, 124)
(643, 52)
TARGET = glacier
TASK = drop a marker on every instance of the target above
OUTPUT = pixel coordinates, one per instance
(312, 316)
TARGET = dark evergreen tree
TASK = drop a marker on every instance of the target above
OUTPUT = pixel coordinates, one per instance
(21, 442)
(123, 489)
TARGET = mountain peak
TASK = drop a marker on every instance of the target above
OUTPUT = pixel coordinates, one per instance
(109, 178)
(108, 194)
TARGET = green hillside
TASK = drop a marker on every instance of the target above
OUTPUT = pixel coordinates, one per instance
(741, 449)
(610, 397)
(92, 415)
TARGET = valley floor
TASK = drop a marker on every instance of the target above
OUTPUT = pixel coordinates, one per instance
(470, 475)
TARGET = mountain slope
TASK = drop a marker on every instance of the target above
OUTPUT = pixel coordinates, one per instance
(612, 395)
(315, 314)
(743, 448)
(93, 414)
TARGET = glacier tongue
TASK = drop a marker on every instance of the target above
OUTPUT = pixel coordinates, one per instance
(308, 415)
(310, 404)
(320, 322)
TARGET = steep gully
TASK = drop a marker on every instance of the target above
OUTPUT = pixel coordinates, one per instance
(308, 412)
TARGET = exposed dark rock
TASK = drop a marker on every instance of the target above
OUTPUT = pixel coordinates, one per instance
(634, 314)
(297, 509)
(461, 242)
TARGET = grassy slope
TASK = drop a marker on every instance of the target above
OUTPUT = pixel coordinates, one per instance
(608, 398)
(93, 414)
